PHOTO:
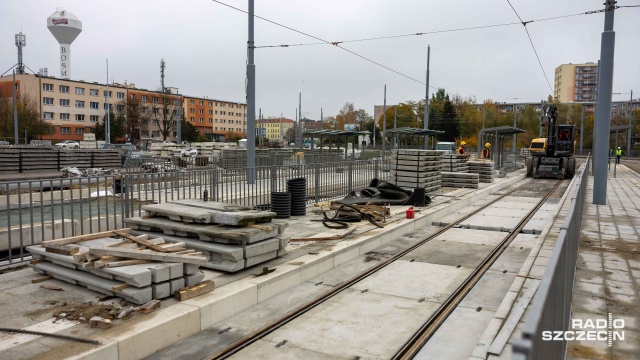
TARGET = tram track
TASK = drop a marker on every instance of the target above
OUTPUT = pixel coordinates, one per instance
(420, 337)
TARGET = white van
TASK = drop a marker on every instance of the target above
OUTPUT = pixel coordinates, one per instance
(447, 147)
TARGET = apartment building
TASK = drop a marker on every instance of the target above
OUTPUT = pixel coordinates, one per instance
(576, 82)
(275, 128)
(71, 107)
(74, 107)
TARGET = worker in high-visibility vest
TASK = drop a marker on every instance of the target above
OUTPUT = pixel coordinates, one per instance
(485, 152)
(462, 149)
(618, 155)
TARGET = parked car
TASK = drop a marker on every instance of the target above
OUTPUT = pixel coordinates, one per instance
(68, 144)
(447, 147)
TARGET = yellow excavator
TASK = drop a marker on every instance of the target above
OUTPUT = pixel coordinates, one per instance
(552, 156)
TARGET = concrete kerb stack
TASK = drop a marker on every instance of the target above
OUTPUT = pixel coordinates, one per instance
(194, 315)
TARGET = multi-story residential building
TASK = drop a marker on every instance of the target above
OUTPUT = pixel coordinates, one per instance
(217, 117)
(576, 82)
(276, 129)
(75, 107)
(71, 107)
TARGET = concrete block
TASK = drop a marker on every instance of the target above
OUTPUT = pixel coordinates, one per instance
(258, 259)
(155, 332)
(193, 279)
(189, 269)
(314, 265)
(176, 284)
(161, 291)
(282, 252)
(261, 247)
(284, 278)
(224, 302)
(284, 240)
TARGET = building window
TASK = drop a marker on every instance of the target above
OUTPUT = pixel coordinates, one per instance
(64, 102)
(156, 123)
(154, 99)
(192, 119)
(210, 112)
(65, 130)
(145, 122)
(145, 133)
(210, 103)
(79, 131)
(107, 106)
(79, 117)
(79, 103)
(201, 120)
(93, 92)
(79, 91)
(155, 110)
(144, 109)
(120, 108)
(201, 111)
(64, 89)
(48, 116)
(47, 87)
(106, 93)
(120, 95)
(94, 105)
(94, 118)
(65, 116)
(156, 134)
(47, 101)
(210, 121)
(192, 110)
(144, 98)
(191, 102)
(132, 96)
(201, 103)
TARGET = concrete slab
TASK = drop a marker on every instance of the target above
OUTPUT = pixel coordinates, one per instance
(399, 279)
(488, 293)
(228, 214)
(267, 350)
(387, 320)
(450, 253)
(470, 236)
(458, 335)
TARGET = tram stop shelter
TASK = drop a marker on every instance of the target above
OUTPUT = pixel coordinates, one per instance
(339, 135)
(410, 136)
(495, 136)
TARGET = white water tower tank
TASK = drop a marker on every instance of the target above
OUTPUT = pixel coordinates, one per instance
(65, 27)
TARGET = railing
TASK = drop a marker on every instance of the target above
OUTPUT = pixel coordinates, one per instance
(33, 211)
(551, 306)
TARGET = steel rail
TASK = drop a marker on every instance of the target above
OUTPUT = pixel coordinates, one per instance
(420, 337)
(247, 340)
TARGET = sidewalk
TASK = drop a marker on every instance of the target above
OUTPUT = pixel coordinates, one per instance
(608, 268)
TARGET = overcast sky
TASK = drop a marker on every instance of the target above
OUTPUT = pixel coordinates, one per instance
(204, 46)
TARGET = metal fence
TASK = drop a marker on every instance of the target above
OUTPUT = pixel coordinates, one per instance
(551, 306)
(33, 211)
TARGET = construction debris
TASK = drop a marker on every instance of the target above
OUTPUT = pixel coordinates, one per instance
(148, 307)
(193, 291)
(136, 268)
(73, 172)
(98, 322)
(51, 287)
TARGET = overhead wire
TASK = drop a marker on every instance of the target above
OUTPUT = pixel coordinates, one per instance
(524, 24)
(325, 41)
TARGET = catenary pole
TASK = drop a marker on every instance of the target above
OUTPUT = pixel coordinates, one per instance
(15, 111)
(384, 120)
(426, 99)
(630, 128)
(602, 126)
(107, 125)
(515, 114)
(300, 137)
(581, 127)
(395, 126)
(251, 100)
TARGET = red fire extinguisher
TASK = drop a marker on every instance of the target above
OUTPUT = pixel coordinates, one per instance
(410, 213)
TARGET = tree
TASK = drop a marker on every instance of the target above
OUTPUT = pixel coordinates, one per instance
(443, 116)
(189, 133)
(29, 119)
(347, 115)
(134, 120)
(116, 124)
(163, 113)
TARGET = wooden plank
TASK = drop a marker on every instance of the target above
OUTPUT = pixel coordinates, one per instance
(41, 279)
(37, 261)
(80, 256)
(81, 238)
(148, 255)
(113, 264)
(62, 249)
(139, 241)
(191, 292)
(120, 287)
(326, 238)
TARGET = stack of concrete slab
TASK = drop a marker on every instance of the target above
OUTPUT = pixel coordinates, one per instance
(118, 267)
(231, 237)
(455, 163)
(459, 180)
(412, 168)
(484, 169)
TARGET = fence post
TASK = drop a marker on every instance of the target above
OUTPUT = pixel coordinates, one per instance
(375, 168)
(350, 186)
(317, 180)
(128, 188)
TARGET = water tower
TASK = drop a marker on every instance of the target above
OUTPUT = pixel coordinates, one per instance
(65, 27)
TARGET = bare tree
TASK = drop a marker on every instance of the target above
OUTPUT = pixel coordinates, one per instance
(134, 119)
(163, 111)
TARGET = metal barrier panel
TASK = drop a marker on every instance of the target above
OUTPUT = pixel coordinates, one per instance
(34, 211)
(551, 306)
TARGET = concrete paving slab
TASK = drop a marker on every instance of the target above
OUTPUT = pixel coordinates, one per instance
(199, 345)
(400, 279)
(458, 335)
(488, 293)
(471, 236)
(228, 214)
(387, 320)
(511, 260)
(267, 350)
(450, 253)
